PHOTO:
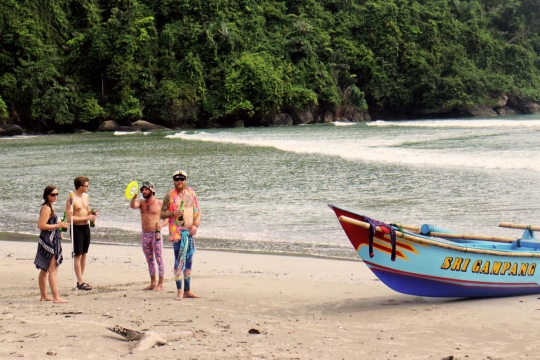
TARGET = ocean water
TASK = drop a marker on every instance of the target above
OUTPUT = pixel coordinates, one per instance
(267, 189)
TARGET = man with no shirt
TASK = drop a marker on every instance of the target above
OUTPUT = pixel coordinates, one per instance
(81, 229)
(181, 208)
(150, 208)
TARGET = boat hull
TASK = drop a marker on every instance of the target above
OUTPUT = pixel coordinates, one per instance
(435, 271)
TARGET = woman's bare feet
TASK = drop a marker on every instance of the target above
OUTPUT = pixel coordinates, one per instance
(59, 300)
(46, 298)
(179, 295)
(159, 287)
(150, 287)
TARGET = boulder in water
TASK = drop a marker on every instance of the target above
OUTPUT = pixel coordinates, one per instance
(238, 124)
(505, 110)
(328, 117)
(141, 125)
(11, 130)
(280, 120)
(108, 125)
(367, 117)
(302, 116)
(531, 107)
(478, 111)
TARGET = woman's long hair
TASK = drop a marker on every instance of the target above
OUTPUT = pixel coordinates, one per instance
(49, 189)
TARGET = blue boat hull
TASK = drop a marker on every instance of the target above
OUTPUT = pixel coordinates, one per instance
(467, 269)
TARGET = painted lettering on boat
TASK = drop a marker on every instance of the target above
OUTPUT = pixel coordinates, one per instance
(489, 267)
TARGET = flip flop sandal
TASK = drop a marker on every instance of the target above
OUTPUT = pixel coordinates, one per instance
(84, 286)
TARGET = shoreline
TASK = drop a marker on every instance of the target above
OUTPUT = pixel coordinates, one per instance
(303, 308)
(16, 237)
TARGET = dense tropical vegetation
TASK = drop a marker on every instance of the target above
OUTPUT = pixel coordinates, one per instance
(77, 62)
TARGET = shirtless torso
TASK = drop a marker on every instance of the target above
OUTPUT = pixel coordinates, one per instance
(81, 207)
(187, 198)
(150, 209)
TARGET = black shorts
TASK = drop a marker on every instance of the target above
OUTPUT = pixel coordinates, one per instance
(81, 239)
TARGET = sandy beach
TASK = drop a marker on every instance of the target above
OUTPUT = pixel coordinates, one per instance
(302, 308)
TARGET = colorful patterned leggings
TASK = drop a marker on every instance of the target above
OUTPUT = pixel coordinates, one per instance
(177, 270)
(150, 248)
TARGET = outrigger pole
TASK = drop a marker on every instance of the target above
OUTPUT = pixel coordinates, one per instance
(72, 240)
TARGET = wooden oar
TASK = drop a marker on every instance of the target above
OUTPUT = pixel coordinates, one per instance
(412, 228)
(520, 226)
(473, 237)
(461, 248)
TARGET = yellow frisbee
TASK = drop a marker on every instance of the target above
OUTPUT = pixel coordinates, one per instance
(132, 189)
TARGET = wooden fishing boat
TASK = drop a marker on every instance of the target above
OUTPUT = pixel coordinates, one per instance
(434, 262)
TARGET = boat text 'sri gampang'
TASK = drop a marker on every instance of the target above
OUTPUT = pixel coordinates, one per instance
(430, 261)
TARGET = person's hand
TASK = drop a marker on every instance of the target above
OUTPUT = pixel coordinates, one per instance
(178, 212)
(91, 217)
(134, 197)
(63, 224)
(193, 230)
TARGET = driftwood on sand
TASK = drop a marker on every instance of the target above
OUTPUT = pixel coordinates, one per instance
(148, 339)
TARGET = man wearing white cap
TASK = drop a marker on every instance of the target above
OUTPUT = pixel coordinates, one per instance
(152, 247)
(181, 207)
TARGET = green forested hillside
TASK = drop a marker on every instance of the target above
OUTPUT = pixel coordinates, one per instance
(76, 62)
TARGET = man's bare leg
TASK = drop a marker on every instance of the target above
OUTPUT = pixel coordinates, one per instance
(53, 282)
(152, 283)
(189, 294)
(159, 286)
(83, 264)
(42, 281)
(179, 294)
(77, 265)
(80, 262)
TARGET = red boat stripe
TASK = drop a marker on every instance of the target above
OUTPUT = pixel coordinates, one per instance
(398, 244)
(387, 250)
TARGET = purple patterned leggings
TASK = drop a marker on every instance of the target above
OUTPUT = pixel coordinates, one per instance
(150, 248)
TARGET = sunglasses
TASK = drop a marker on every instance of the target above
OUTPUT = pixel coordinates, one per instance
(55, 194)
(179, 178)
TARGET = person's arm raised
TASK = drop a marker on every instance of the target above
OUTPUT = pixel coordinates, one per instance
(134, 203)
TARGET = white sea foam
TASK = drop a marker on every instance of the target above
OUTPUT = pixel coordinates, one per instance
(18, 137)
(387, 149)
(122, 133)
(533, 123)
(343, 123)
